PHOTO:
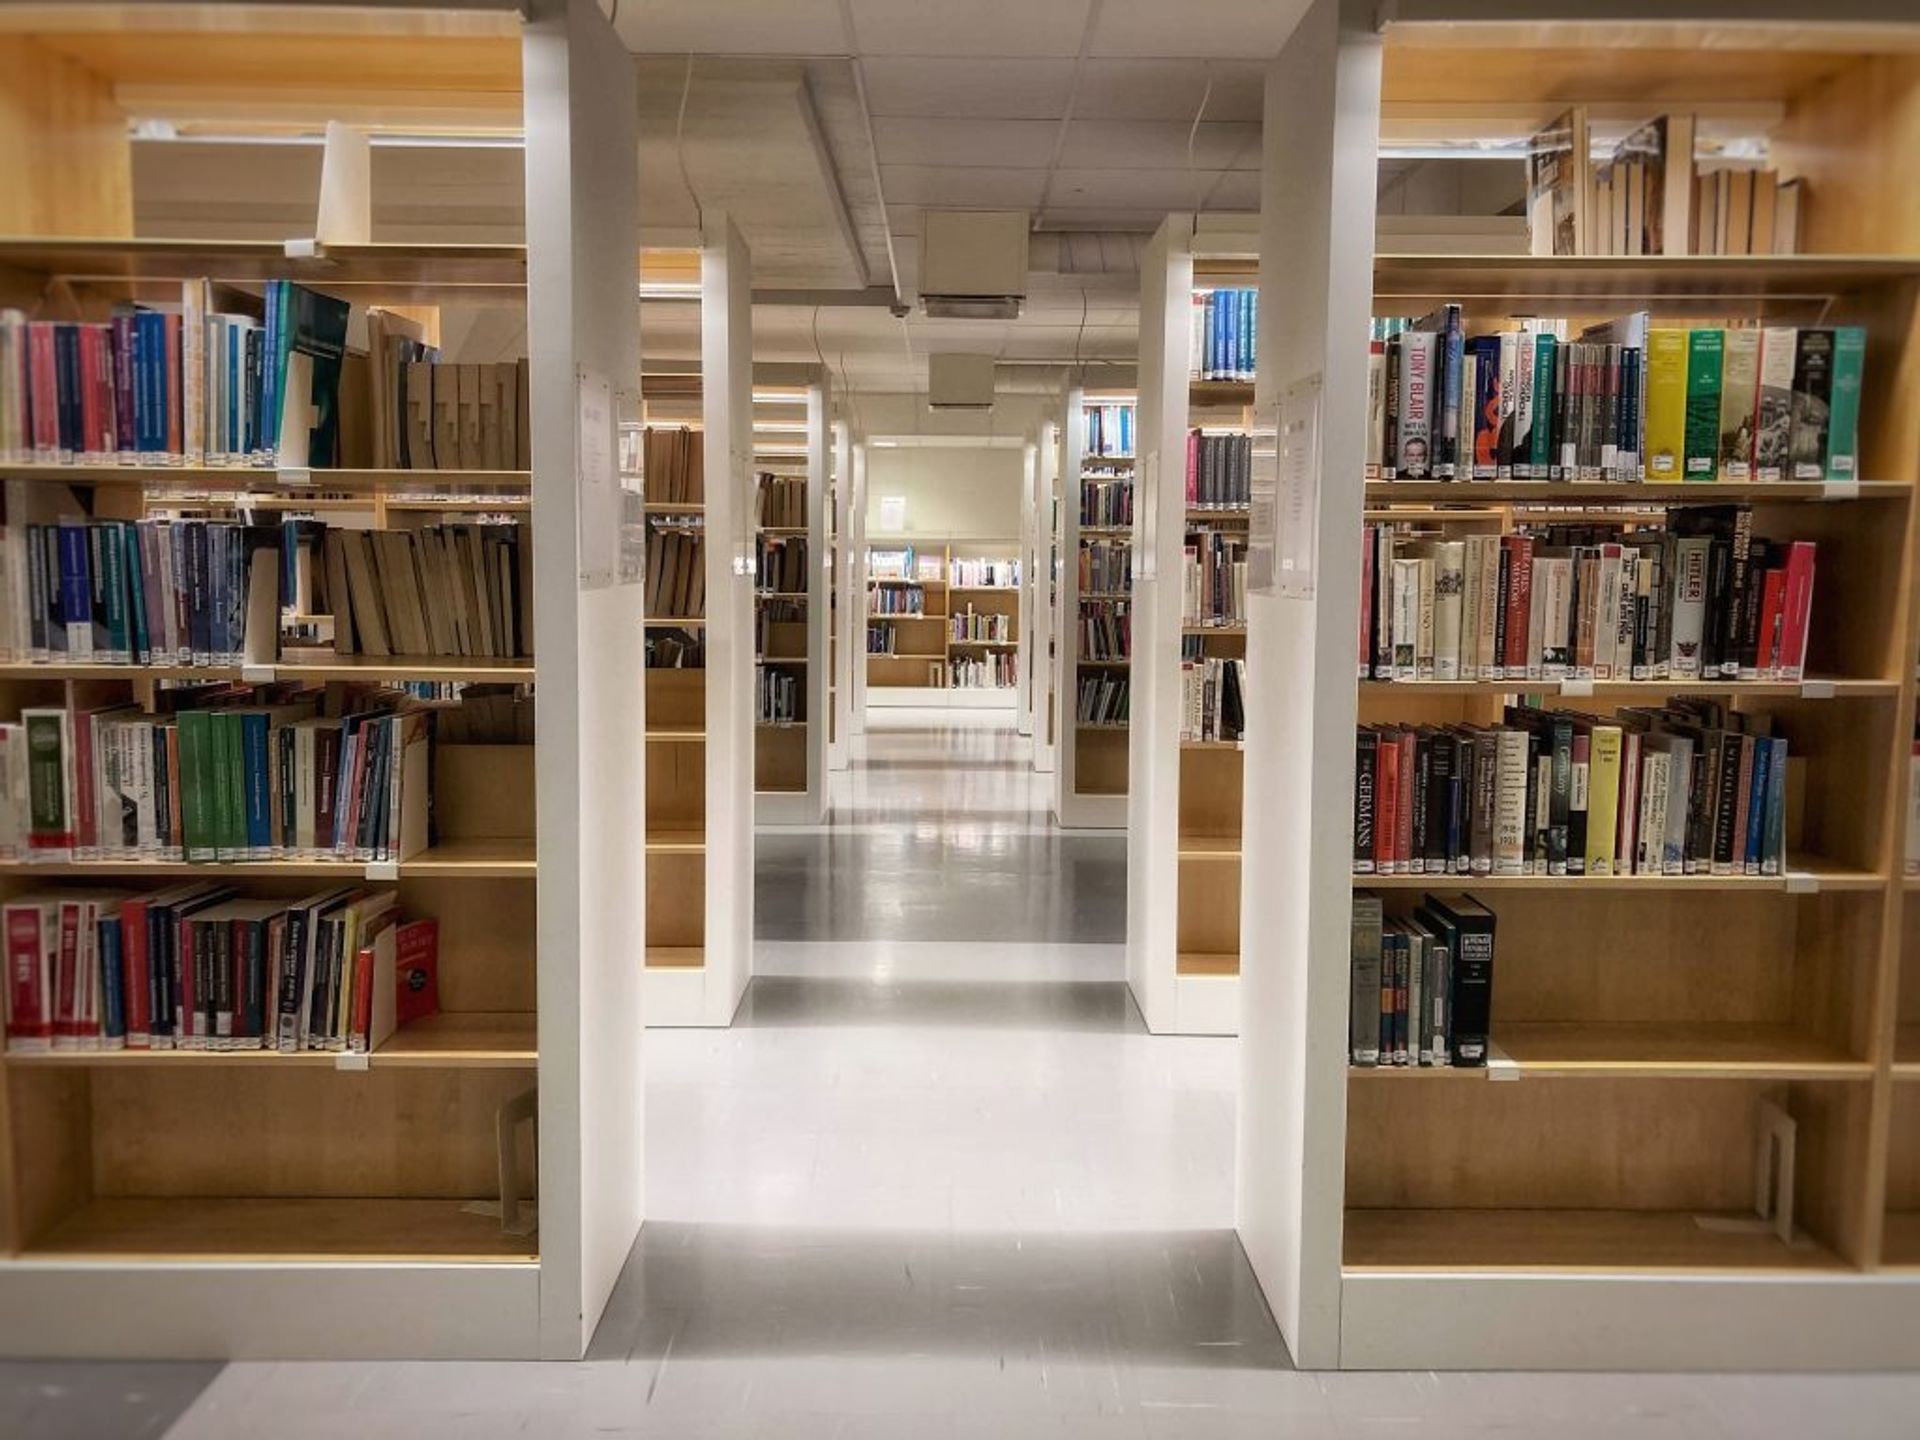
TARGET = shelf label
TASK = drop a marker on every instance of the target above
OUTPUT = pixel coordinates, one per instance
(257, 674)
(352, 1060)
(304, 249)
(1816, 689)
(383, 870)
(1500, 1065)
(1578, 688)
(296, 475)
(1802, 882)
(1840, 490)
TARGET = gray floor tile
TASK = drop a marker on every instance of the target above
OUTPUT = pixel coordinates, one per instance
(58, 1400)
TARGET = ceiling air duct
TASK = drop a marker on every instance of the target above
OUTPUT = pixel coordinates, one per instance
(960, 382)
(973, 264)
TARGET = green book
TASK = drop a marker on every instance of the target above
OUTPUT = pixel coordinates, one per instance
(1541, 446)
(114, 585)
(1706, 351)
(1843, 406)
(228, 822)
(49, 797)
(196, 767)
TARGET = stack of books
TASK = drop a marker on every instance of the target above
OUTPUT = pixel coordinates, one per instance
(1422, 983)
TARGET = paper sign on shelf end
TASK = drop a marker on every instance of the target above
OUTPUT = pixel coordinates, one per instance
(383, 870)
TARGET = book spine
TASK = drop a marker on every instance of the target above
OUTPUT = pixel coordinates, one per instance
(1705, 364)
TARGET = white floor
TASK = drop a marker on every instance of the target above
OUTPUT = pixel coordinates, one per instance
(933, 1185)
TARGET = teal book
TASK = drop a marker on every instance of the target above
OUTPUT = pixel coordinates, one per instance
(1543, 406)
(1706, 351)
(1843, 410)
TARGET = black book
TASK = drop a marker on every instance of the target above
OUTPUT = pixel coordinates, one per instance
(1440, 823)
(1365, 780)
(1733, 615)
(1560, 799)
(1422, 774)
(1466, 927)
(1759, 561)
(1811, 405)
(1729, 850)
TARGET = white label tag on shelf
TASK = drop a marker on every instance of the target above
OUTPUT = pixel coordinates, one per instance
(306, 249)
(1840, 490)
(257, 674)
(352, 1060)
(1816, 689)
(383, 870)
(1500, 1065)
(294, 475)
(1577, 688)
(1802, 882)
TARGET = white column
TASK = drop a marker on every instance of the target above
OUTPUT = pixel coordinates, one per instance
(1046, 699)
(857, 592)
(583, 330)
(1024, 655)
(726, 368)
(1316, 286)
(846, 614)
(819, 595)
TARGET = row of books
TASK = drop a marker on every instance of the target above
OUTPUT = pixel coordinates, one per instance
(1213, 698)
(1704, 598)
(1225, 334)
(780, 696)
(983, 672)
(1106, 502)
(1692, 788)
(1213, 578)
(457, 590)
(1219, 470)
(983, 574)
(1106, 629)
(780, 564)
(883, 639)
(896, 600)
(903, 564)
(198, 967)
(425, 413)
(1109, 429)
(243, 775)
(779, 628)
(1627, 401)
(675, 459)
(1105, 567)
(783, 501)
(971, 624)
(1102, 699)
(676, 575)
(1422, 982)
(1650, 197)
(676, 649)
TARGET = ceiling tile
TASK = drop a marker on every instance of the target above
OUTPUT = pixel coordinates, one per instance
(1002, 144)
(739, 27)
(1160, 145)
(1024, 89)
(975, 27)
(1170, 89)
(1229, 29)
(1124, 187)
(951, 185)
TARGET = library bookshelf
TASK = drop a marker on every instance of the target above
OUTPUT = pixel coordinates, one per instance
(792, 601)
(1588, 1199)
(947, 612)
(702, 655)
(1184, 793)
(331, 1204)
(1093, 620)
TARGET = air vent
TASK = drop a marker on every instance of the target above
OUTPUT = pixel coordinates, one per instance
(960, 382)
(973, 263)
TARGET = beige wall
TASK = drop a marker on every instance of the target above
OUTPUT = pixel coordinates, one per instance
(950, 493)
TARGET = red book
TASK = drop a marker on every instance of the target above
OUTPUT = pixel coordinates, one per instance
(43, 384)
(136, 983)
(189, 1023)
(29, 1022)
(1193, 467)
(416, 970)
(86, 823)
(66, 980)
(1519, 603)
(1797, 610)
(1366, 601)
(92, 408)
(1403, 812)
(1773, 595)
(1386, 819)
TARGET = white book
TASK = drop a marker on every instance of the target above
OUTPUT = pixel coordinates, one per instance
(1523, 416)
(1376, 407)
(1691, 554)
(1423, 627)
(1542, 804)
(1509, 398)
(1649, 841)
(1553, 598)
(1536, 633)
(1623, 840)
(1405, 591)
(1449, 580)
(1679, 788)
(13, 792)
(1197, 336)
(1489, 617)
(1606, 624)
(1469, 611)
(1510, 803)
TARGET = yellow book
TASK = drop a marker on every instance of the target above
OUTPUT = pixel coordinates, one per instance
(1666, 423)
(1603, 798)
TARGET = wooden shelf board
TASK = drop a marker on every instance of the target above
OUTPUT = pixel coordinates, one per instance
(430, 267)
(677, 735)
(1466, 278)
(662, 507)
(1192, 963)
(784, 530)
(1654, 1051)
(1210, 847)
(1900, 1247)
(1220, 392)
(675, 957)
(905, 655)
(1229, 631)
(676, 840)
(263, 480)
(985, 644)
(1906, 1054)
(1108, 531)
(1103, 664)
(781, 660)
(437, 506)
(1637, 691)
(1819, 875)
(1106, 595)
(1605, 1241)
(368, 668)
(1223, 512)
(674, 622)
(1554, 492)
(1910, 882)
(1093, 727)
(450, 859)
(204, 1228)
(902, 580)
(440, 1042)
(984, 589)
(795, 595)
(1235, 746)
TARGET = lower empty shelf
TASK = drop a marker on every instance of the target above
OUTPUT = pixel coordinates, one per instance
(1900, 1246)
(331, 1229)
(1651, 1051)
(675, 957)
(1191, 962)
(1582, 1240)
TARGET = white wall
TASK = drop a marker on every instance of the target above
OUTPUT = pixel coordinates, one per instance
(950, 492)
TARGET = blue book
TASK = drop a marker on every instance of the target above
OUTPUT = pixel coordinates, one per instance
(259, 806)
(39, 605)
(1211, 328)
(270, 371)
(1253, 332)
(1230, 343)
(138, 639)
(1773, 855)
(53, 595)
(235, 343)
(148, 358)
(113, 1006)
(76, 588)
(1752, 843)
